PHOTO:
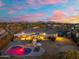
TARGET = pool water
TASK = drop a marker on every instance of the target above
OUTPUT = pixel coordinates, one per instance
(18, 50)
(27, 51)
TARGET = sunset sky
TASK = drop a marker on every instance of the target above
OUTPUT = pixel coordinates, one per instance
(39, 10)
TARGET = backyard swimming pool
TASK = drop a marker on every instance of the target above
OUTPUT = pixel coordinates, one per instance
(18, 50)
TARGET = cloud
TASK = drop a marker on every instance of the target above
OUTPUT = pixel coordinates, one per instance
(58, 13)
(31, 17)
(61, 17)
(47, 2)
(2, 8)
(72, 11)
(35, 4)
(1, 4)
(73, 19)
(11, 12)
(39, 3)
(58, 16)
(18, 7)
(77, 0)
(17, 0)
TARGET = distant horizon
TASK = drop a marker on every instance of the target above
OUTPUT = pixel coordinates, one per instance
(39, 22)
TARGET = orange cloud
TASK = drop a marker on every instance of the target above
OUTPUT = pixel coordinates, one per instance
(74, 19)
(58, 15)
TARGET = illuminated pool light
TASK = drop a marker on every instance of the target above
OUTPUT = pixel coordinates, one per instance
(18, 51)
